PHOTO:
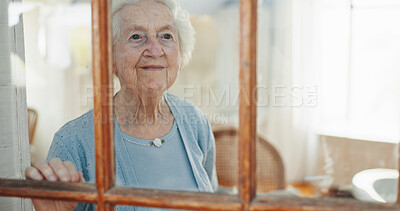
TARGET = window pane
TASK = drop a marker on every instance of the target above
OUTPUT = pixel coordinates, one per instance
(334, 102)
(370, 124)
(375, 95)
(170, 145)
(57, 49)
(59, 72)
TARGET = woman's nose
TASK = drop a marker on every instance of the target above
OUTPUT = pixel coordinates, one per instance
(154, 48)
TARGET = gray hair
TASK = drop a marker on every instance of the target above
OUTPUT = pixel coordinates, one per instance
(180, 19)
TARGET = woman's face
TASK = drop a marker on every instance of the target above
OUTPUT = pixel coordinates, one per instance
(146, 53)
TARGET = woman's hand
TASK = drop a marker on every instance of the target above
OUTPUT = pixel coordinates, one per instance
(55, 170)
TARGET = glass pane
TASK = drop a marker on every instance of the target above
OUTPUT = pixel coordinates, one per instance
(333, 111)
(59, 72)
(57, 38)
(166, 107)
(279, 97)
(210, 81)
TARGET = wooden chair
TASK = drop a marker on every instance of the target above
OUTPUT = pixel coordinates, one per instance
(270, 170)
(32, 121)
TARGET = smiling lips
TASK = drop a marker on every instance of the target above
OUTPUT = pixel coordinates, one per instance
(152, 67)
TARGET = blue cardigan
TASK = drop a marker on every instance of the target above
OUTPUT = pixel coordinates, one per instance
(75, 142)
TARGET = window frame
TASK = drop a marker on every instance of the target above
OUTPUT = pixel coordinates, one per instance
(106, 195)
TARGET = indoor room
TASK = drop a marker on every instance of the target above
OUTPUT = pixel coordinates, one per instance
(326, 94)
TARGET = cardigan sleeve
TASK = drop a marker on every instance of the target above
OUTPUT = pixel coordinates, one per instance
(60, 150)
(210, 157)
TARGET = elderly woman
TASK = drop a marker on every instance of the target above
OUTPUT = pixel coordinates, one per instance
(161, 142)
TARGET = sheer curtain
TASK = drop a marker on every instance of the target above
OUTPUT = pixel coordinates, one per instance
(289, 120)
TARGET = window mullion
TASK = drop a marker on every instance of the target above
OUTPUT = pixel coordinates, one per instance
(48, 190)
(103, 99)
(172, 199)
(247, 102)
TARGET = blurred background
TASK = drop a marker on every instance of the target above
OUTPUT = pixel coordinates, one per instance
(328, 79)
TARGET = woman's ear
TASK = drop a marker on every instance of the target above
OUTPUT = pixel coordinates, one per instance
(114, 68)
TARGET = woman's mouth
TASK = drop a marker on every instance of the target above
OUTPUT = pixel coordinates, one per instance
(152, 68)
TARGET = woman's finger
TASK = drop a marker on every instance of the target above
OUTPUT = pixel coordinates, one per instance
(75, 177)
(60, 170)
(81, 177)
(33, 173)
(45, 170)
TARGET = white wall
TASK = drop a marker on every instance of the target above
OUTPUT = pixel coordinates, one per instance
(14, 143)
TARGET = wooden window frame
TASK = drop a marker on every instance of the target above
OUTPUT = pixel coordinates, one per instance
(106, 195)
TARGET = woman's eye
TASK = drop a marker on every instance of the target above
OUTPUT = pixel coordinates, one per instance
(135, 37)
(167, 36)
